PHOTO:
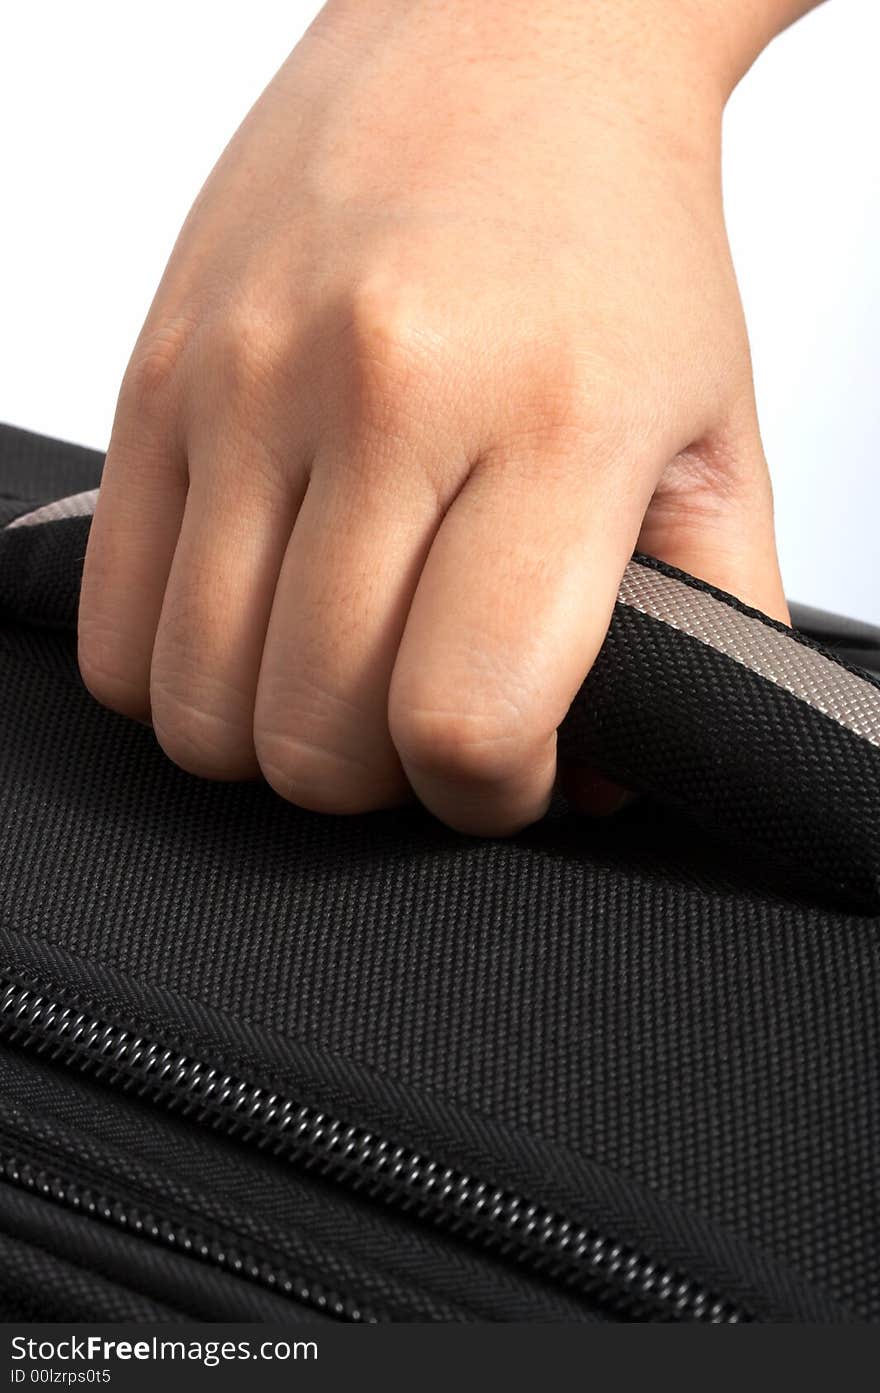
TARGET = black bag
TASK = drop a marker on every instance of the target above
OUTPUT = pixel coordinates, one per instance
(262, 1064)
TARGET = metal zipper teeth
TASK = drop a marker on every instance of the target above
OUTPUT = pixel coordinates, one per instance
(570, 1254)
(182, 1238)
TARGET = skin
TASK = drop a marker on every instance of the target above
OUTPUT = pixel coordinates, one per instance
(451, 328)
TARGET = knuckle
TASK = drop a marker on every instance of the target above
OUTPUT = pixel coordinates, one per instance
(597, 416)
(101, 656)
(390, 355)
(154, 369)
(561, 406)
(242, 353)
(313, 775)
(197, 733)
(473, 747)
(570, 410)
(382, 316)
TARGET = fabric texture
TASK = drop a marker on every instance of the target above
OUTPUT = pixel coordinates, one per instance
(655, 711)
(673, 1018)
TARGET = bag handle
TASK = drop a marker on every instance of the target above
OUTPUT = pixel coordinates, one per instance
(748, 727)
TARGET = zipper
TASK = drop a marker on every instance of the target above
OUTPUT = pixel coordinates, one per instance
(627, 1282)
(180, 1237)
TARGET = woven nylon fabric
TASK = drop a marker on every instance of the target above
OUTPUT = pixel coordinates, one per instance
(738, 753)
(803, 670)
(853, 640)
(95, 1268)
(790, 770)
(634, 996)
(38, 1285)
(631, 992)
(39, 469)
(75, 505)
(257, 1205)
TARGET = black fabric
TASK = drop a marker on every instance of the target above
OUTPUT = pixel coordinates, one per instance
(37, 1285)
(664, 713)
(255, 1203)
(851, 639)
(38, 468)
(721, 743)
(96, 1270)
(662, 1033)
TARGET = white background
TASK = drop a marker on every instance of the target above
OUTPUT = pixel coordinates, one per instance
(112, 114)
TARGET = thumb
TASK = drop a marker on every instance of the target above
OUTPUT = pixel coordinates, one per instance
(712, 516)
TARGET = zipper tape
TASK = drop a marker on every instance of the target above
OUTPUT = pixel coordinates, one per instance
(581, 1259)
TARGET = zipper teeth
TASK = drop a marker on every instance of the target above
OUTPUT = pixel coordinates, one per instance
(563, 1250)
(181, 1237)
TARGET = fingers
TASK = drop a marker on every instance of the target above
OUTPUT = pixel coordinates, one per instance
(211, 632)
(712, 515)
(509, 613)
(344, 641)
(131, 544)
(340, 607)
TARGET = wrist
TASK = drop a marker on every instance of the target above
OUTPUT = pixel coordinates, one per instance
(708, 44)
(662, 68)
(735, 32)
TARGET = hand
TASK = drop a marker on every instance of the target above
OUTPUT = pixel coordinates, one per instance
(451, 328)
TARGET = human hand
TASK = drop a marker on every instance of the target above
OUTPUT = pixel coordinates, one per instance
(451, 328)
